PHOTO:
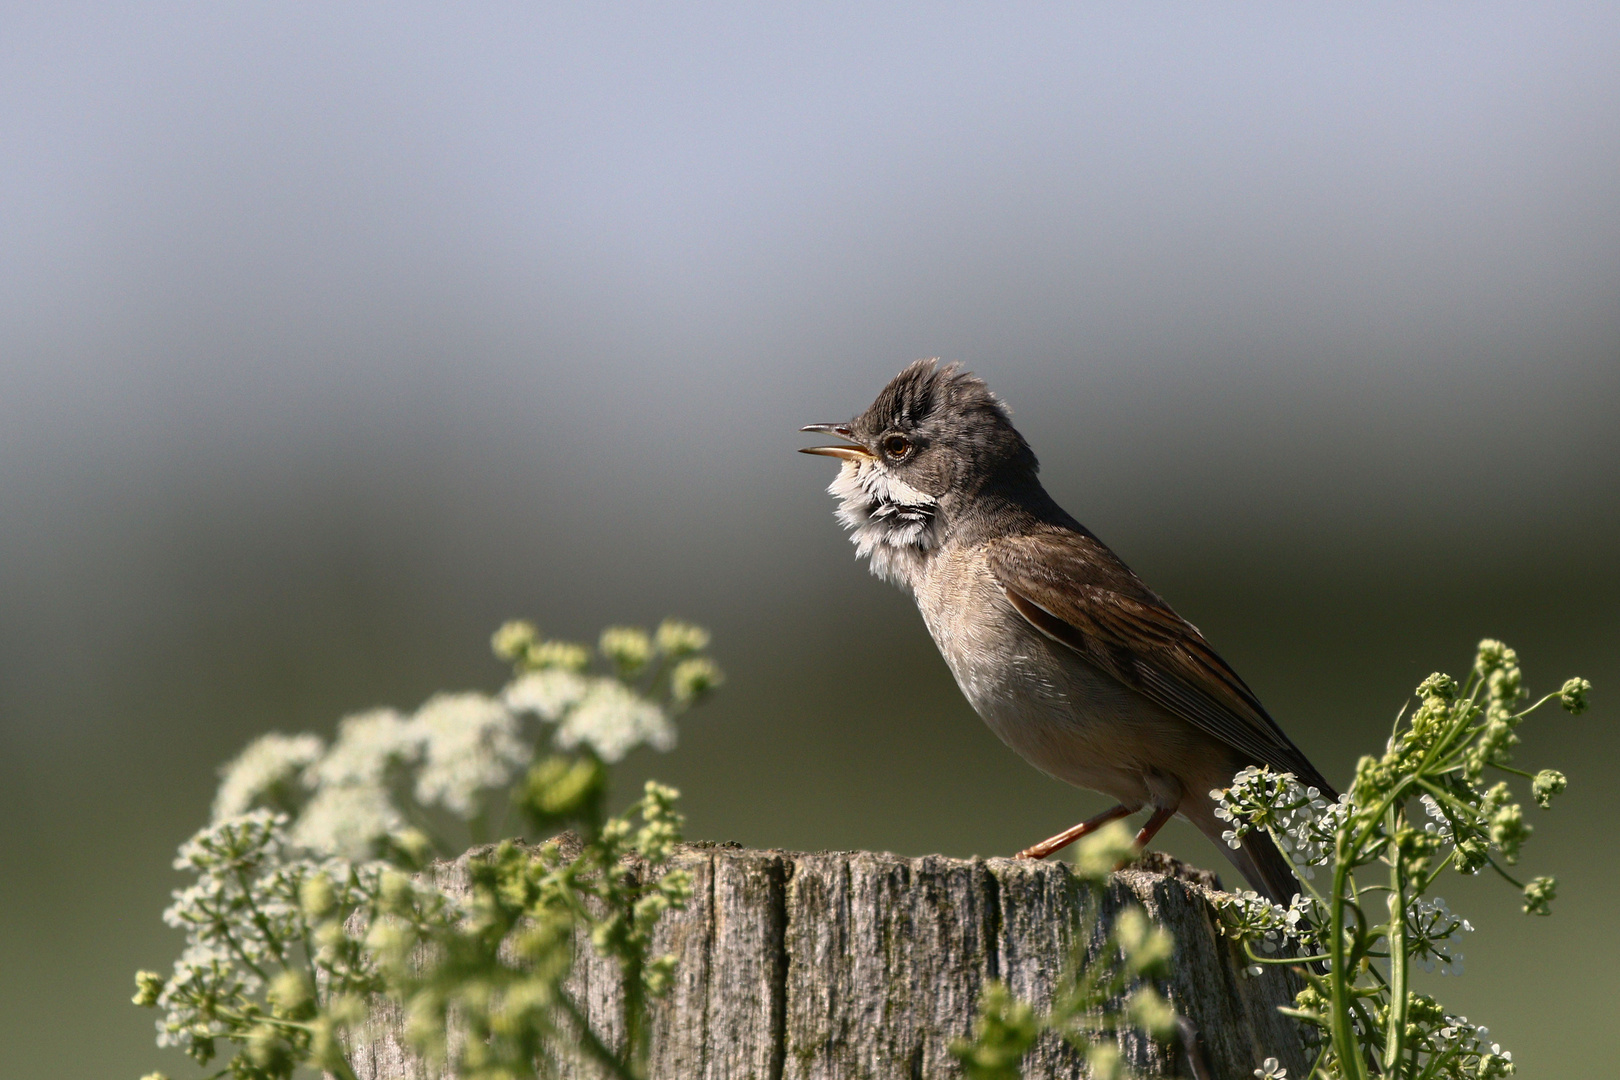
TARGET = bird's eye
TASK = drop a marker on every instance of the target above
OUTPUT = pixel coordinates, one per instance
(897, 446)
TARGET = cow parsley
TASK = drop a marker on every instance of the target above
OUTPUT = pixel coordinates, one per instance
(303, 906)
(1421, 807)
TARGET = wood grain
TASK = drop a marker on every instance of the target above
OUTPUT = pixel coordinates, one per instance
(863, 966)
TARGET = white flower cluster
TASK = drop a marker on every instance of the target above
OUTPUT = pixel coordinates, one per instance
(238, 916)
(348, 798)
(1303, 823)
(1250, 916)
(601, 713)
(470, 743)
(266, 773)
(306, 834)
(351, 807)
(612, 720)
(1438, 823)
(548, 693)
(1462, 1039)
(1429, 925)
(353, 797)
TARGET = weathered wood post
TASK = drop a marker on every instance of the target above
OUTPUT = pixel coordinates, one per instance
(863, 966)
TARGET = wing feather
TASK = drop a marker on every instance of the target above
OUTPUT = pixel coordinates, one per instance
(1073, 589)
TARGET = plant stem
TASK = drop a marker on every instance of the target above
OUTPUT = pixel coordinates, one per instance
(1395, 1032)
(1344, 1037)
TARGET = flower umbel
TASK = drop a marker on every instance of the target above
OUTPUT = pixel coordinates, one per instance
(305, 903)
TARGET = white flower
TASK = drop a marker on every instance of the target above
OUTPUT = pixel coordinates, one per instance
(347, 820)
(265, 772)
(548, 694)
(367, 746)
(1302, 821)
(1270, 1069)
(1429, 927)
(612, 719)
(469, 742)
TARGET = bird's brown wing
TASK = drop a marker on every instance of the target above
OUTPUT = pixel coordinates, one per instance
(1077, 592)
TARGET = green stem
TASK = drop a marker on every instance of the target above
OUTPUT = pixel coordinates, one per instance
(1344, 1036)
(1318, 1066)
(1435, 873)
(1438, 1062)
(1395, 1033)
(1249, 951)
(1509, 878)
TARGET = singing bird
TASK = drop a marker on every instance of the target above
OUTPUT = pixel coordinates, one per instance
(1067, 655)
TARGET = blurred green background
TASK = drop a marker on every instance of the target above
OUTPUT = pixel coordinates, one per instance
(333, 335)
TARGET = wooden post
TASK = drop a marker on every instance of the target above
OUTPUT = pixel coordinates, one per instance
(863, 966)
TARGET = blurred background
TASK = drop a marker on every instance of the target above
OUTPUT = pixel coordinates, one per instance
(333, 335)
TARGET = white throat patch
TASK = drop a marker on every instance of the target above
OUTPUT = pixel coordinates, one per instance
(891, 522)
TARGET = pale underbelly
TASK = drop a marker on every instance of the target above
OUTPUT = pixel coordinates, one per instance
(1061, 714)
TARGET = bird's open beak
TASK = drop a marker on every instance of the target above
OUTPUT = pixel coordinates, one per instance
(848, 453)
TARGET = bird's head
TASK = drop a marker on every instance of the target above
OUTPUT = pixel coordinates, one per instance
(917, 461)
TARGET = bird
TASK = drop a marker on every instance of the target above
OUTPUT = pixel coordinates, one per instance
(1066, 654)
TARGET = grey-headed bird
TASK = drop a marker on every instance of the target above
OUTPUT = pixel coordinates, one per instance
(1069, 658)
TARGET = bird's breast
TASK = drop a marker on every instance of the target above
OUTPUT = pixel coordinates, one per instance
(1066, 717)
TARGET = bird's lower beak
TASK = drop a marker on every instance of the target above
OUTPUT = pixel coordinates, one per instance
(848, 453)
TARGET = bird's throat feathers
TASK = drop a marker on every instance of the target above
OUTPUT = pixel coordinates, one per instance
(891, 523)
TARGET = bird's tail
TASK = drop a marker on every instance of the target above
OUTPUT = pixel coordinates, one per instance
(1267, 868)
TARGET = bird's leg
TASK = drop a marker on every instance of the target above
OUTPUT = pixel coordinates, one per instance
(1161, 814)
(1069, 836)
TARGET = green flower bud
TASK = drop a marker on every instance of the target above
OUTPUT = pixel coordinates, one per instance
(1002, 1035)
(409, 846)
(1373, 780)
(556, 654)
(290, 991)
(694, 677)
(1496, 797)
(513, 639)
(1472, 855)
(1573, 696)
(397, 894)
(1103, 1061)
(628, 647)
(1509, 831)
(325, 1048)
(330, 936)
(1310, 1000)
(1416, 845)
(348, 1009)
(1146, 947)
(1505, 685)
(269, 1050)
(1439, 685)
(1548, 782)
(1492, 655)
(1104, 851)
(1152, 1013)
(148, 986)
(659, 975)
(563, 789)
(316, 897)
(390, 941)
(1539, 895)
(677, 639)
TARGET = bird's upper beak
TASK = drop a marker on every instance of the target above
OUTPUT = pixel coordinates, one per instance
(856, 452)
